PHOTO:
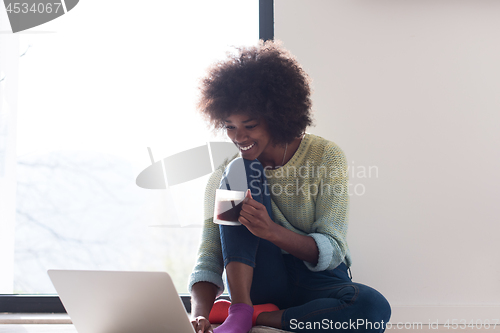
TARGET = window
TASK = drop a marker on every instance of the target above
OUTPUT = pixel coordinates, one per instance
(96, 88)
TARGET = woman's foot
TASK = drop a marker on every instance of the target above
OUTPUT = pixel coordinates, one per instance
(220, 311)
(239, 319)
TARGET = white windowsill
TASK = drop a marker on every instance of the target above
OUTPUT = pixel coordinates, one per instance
(34, 318)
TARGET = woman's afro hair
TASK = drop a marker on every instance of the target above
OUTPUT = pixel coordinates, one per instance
(265, 81)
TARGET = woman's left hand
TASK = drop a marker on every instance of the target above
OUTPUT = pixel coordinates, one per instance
(254, 216)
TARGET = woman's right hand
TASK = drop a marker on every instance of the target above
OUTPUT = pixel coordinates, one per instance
(201, 325)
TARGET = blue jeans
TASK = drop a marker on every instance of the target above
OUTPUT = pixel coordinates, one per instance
(314, 301)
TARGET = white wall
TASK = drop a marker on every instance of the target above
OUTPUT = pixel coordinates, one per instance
(413, 88)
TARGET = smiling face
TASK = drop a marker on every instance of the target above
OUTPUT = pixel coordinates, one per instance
(249, 134)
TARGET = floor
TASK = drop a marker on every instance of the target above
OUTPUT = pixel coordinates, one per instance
(60, 323)
(65, 328)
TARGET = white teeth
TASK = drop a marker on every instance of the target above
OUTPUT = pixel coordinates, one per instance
(246, 148)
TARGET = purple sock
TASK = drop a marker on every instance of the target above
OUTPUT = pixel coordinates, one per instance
(239, 319)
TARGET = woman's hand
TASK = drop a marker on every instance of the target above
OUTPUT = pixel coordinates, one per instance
(202, 299)
(255, 217)
(201, 325)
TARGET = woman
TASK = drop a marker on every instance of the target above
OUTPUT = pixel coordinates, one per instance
(291, 248)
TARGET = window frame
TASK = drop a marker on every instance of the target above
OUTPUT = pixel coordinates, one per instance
(20, 303)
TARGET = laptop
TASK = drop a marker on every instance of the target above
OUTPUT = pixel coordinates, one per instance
(121, 302)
